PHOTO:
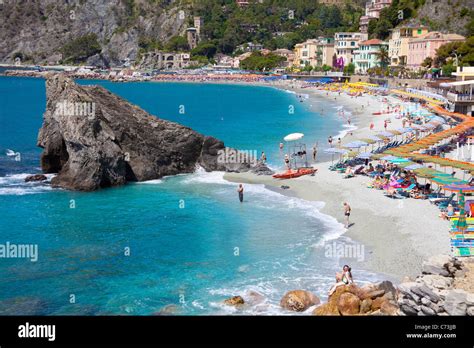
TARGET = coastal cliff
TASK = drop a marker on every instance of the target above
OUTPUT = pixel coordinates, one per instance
(93, 139)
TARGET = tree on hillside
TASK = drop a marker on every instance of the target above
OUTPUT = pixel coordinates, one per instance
(204, 49)
(176, 44)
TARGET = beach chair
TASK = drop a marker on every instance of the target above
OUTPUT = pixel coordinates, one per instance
(441, 199)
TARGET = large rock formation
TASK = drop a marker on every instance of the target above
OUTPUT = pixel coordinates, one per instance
(93, 139)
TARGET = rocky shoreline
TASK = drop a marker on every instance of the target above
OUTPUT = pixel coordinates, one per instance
(445, 287)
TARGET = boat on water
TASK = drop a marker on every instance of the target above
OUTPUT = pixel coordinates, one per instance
(295, 173)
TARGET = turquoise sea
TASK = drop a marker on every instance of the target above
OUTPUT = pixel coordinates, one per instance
(179, 245)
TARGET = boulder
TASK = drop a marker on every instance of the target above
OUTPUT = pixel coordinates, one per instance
(36, 177)
(408, 310)
(470, 311)
(377, 303)
(424, 291)
(94, 139)
(455, 302)
(365, 305)
(261, 169)
(436, 281)
(299, 300)
(427, 310)
(234, 301)
(372, 294)
(348, 304)
(326, 309)
(388, 287)
(389, 308)
(437, 265)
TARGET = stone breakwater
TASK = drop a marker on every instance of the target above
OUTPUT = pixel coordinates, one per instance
(445, 287)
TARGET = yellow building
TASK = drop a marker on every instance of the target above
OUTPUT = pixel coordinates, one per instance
(305, 53)
(398, 43)
(314, 52)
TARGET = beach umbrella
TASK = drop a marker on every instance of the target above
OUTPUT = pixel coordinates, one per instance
(293, 136)
(355, 144)
(364, 155)
(369, 141)
(414, 166)
(387, 158)
(385, 134)
(334, 150)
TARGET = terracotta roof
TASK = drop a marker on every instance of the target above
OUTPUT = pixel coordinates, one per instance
(371, 42)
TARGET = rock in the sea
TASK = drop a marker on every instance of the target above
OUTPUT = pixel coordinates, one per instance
(299, 300)
(348, 304)
(93, 139)
(261, 169)
(235, 301)
(36, 177)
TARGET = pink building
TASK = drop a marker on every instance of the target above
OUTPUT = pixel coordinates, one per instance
(426, 45)
(372, 11)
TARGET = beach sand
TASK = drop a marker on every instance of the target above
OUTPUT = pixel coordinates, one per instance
(396, 234)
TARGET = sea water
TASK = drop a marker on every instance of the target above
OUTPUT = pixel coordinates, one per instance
(178, 245)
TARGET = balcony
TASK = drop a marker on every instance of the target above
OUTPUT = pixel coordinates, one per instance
(454, 97)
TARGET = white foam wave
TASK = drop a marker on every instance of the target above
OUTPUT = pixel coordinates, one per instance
(151, 182)
(15, 184)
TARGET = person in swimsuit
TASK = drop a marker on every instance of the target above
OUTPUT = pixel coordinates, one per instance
(263, 157)
(240, 190)
(347, 213)
(330, 141)
(343, 278)
(287, 162)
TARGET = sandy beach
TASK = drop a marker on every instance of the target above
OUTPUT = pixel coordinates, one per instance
(396, 234)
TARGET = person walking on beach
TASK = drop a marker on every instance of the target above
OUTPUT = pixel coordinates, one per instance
(372, 125)
(347, 213)
(315, 152)
(330, 141)
(240, 191)
(385, 124)
(339, 142)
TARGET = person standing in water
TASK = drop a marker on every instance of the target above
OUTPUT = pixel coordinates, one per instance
(281, 146)
(330, 141)
(263, 157)
(315, 152)
(347, 213)
(240, 190)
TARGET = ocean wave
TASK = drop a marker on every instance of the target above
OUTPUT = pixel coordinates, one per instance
(150, 182)
(15, 184)
(270, 199)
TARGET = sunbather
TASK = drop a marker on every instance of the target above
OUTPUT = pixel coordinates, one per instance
(343, 278)
(449, 213)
